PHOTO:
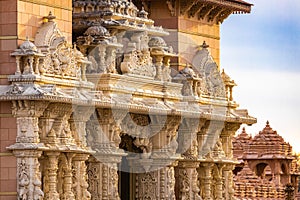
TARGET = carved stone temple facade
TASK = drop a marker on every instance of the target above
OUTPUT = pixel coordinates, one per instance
(267, 165)
(97, 101)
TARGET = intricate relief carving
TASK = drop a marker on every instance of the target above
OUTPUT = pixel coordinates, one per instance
(147, 188)
(171, 183)
(103, 180)
(188, 144)
(136, 125)
(50, 179)
(80, 184)
(65, 183)
(171, 6)
(207, 75)
(24, 180)
(63, 62)
(185, 184)
(138, 63)
(94, 180)
(217, 150)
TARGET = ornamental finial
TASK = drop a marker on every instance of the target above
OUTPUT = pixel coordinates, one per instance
(50, 17)
(204, 45)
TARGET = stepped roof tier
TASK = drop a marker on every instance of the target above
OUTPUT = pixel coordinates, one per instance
(267, 165)
(268, 144)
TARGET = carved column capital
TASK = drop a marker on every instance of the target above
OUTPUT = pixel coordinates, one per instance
(27, 114)
(226, 137)
(164, 135)
(230, 129)
(27, 108)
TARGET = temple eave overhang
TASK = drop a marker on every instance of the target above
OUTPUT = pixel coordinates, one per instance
(212, 10)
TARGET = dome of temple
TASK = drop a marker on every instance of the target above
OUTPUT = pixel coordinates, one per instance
(157, 42)
(28, 46)
(97, 30)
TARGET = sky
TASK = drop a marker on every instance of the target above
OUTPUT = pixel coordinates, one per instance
(261, 52)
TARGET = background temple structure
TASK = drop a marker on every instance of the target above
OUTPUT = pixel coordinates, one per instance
(267, 166)
(116, 99)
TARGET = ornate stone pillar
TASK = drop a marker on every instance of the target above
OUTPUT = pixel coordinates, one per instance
(104, 139)
(102, 54)
(28, 174)
(50, 183)
(65, 176)
(156, 179)
(228, 181)
(218, 181)
(207, 194)
(103, 176)
(27, 148)
(226, 138)
(80, 184)
(187, 184)
(158, 65)
(157, 182)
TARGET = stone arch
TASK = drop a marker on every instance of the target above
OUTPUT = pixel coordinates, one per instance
(260, 169)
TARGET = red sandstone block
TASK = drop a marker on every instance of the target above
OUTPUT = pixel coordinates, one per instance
(12, 134)
(5, 57)
(10, 17)
(8, 5)
(9, 29)
(4, 173)
(8, 161)
(4, 134)
(8, 122)
(36, 9)
(12, 173)
(5, 107)
(8, 45)
(7, 68)
(8, 185)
